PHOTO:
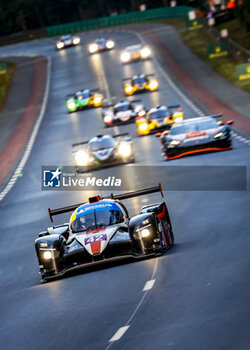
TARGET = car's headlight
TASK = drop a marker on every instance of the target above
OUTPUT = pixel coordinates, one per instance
(145, 232)
(82, 157)
(125, 57)
(108, 118)
(128, 88)
(76, 41)
(219, 135)
(153, 85)
(110, 44)
(71, 105)
(97, 100)
(178, 119)
(60, 45)
(93, 48)
(47, 255)
(174, 143)
(145, 52)
(143, 127)
(124, 149)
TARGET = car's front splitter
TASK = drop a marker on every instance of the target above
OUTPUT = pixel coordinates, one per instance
(178, 153)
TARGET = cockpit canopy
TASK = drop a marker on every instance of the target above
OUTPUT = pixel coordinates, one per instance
(96, 216)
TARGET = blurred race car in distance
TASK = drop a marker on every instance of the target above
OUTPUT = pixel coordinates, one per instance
(67, 41)
(196, 135)
(103, 151)
(101, 44)
(158, 118)
(122, 112)
(135, 53)
(101, 230)
(84, 99)
(140, 83)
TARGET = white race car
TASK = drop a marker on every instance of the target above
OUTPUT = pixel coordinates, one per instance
(135, 53)
(122, 112)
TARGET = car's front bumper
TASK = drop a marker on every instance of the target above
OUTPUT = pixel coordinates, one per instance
(182, 151)
(115, 251)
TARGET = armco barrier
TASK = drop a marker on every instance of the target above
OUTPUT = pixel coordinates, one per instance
(23, 36)
(125, 18)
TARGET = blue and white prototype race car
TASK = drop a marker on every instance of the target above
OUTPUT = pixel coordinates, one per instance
(101, 230)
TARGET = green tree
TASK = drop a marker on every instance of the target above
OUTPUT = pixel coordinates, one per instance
(245, 10)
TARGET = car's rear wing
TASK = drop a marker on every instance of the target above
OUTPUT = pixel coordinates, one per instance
(80, 143)
(53, 212)
(219, 115)
(95, 90)
(116, 103)
(85, 142)
(67, 97)
(90, 90)
(174, 106)
(138, 193)
(138, 75)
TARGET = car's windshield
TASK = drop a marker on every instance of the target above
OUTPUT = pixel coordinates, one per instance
(160, 113)
(66, 37)
(133, 48)
(96, 218)
(82, 94)
(185, 128)
(139, 80)
(102, 144)
(122, 107)
(101, 41)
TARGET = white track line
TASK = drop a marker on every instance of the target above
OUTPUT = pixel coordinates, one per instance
(33, 135)
(149, 285)
(123, 329)
(107, 91)
(119, 333)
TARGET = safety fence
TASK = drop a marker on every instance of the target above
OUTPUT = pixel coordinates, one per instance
(122, 19)
(23, 36)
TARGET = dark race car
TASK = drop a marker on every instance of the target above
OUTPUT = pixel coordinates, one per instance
(67, 41)
(158, 118)
(196, 135)
(140, 83)
(101, 230)
(101, 44)
(83, 99)
(103, 151)
(122, 112)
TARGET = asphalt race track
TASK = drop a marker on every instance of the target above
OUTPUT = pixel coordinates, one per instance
(200, 296)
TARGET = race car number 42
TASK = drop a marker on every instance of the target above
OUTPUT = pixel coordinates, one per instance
(96, 238)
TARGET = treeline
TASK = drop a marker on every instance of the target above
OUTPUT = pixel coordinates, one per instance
(22, 15)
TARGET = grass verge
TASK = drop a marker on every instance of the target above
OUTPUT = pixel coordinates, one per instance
(237, 32)
(5, 81)
(198, 40)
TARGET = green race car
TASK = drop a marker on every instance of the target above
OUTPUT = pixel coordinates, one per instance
(83, 99)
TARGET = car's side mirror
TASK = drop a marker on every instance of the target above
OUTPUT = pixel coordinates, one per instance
(229, 122)
(220, 123)
(139, 117)
(43, 233)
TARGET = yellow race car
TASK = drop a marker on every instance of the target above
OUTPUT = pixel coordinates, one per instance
(140, 83)
(159, 118)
